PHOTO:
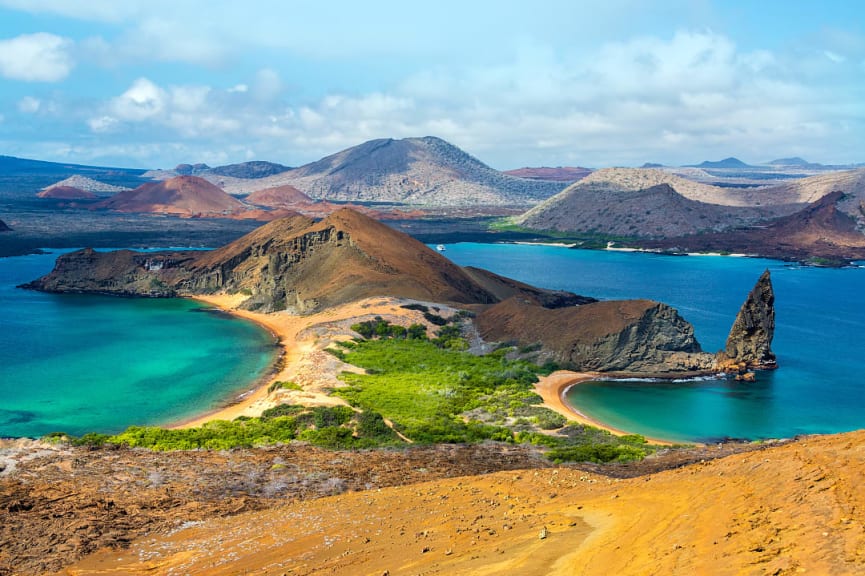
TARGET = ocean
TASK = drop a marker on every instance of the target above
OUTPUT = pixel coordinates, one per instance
(85, 363)
(77, 363)
(819, 339)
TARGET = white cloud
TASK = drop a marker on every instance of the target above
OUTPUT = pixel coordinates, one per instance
(102, 124)
(175, 40)
(29, 105)
(39, 57)
(142, 101)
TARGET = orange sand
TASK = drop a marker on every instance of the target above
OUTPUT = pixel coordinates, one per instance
(791, 509)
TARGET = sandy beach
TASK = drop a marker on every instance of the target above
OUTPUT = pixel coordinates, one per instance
(552, 389)
(304, 361)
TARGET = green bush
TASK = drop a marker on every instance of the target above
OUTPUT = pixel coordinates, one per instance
(284, 385)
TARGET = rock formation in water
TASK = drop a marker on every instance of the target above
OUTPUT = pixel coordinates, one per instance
(749, 344)
(4, 227)
(634, 336)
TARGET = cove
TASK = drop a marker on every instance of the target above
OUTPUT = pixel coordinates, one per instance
(85, 363)
(819, 338)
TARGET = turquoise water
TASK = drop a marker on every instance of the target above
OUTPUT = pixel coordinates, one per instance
(82, 363)
(819, 339)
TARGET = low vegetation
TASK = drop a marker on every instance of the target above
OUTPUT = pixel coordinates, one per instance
(432, 390)
(586, 240)
(335, 427)
(435, 392)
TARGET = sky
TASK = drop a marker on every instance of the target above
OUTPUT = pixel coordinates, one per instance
(155, 83)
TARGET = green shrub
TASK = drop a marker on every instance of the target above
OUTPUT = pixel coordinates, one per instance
(281, 410)
(284, 385)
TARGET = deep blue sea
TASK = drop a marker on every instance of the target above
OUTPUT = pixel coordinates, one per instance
(819, 339)
(82, 363)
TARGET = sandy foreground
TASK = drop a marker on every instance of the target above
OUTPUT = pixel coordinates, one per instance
(791, 509)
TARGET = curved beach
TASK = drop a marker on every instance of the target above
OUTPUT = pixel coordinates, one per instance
(304, 361)
(553, 388)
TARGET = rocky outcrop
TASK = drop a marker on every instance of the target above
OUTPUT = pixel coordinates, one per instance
(635, 336)
(118, 273)
(749, 345)
(4, 227)
(293, 264)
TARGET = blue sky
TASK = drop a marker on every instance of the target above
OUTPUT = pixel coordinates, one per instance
(619, 82)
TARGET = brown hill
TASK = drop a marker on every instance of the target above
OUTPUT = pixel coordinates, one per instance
(66, 193)
(654, 203)
(788, 509)
(296, 264)
(809, 190)
(561, 174)
(822, 230)
(183, 196)
(301, 265)
(285, 196)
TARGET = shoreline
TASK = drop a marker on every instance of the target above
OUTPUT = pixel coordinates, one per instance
(302, 359)
(553, 388)
(238, 404)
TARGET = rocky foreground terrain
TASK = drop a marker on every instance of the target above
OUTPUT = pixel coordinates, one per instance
(772, 509)
(60, 503)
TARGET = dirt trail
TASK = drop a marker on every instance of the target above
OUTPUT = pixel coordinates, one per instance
(790, 509)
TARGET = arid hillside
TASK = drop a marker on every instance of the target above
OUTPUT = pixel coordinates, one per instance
(823, 231)
(791, 509)
(656, 203)
(417, 171)
(285, 196)
(183, 196)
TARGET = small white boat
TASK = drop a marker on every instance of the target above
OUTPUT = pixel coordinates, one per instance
(440, 247)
